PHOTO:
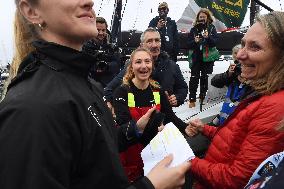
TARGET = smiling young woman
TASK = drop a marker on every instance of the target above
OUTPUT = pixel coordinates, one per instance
(139, 93)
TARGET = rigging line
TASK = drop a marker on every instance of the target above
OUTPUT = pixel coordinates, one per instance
(264, 5)
(136, 18)
(108, 2)
(123, 9)
(280, 5)
(100, 9)
(102, 6)
(113, 14)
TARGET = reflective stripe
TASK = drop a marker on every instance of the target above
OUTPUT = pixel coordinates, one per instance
(157, 97)
(131, 102)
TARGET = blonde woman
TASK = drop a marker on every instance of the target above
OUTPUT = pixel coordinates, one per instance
(248, 136)
(133, 99)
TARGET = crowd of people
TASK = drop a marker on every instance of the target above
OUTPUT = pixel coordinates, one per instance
(67, 121)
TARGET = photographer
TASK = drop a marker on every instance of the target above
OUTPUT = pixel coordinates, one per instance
(106, 55)
(168, 31)
(203, 35)
(236, 87)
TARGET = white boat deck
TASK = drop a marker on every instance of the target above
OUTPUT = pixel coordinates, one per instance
(213, 100)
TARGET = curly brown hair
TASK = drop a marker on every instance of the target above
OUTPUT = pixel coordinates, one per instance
(207, 12)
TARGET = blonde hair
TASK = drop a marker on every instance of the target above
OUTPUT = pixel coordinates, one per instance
(208, 13)
(273, 81)
(129, 75)
(24, 33)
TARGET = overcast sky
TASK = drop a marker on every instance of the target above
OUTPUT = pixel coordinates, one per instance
(137, 15)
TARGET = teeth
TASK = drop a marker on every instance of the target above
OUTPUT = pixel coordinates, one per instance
(248, 65)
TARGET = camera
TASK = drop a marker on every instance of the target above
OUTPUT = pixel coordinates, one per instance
(103, 58)
(238, 69)
(201, 26)
(163, 17)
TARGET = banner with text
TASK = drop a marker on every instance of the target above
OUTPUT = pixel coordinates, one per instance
(228, 13)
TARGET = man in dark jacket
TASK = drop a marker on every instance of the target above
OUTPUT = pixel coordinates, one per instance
(107, 56)
(166, 72)
(168, 31)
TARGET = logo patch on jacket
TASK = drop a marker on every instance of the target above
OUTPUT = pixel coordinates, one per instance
(267, 168)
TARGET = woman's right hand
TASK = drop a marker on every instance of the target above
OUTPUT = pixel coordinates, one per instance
(195, 126)
(164, 177)
(231, 68)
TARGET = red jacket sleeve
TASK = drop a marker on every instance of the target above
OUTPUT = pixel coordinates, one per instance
(261, 140)
(209, 131)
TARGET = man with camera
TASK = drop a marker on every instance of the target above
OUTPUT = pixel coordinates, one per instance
(107, 57)
(236, 88)
(202, 36)
(168, 31)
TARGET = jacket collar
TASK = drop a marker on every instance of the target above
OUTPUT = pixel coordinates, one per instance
(63, 58)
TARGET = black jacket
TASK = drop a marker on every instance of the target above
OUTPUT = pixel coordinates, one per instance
(143, 98)
(170, 45)
(55, 130)
(223, 79)
(166, 72)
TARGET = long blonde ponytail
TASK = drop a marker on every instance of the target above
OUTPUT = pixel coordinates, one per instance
(24, 33)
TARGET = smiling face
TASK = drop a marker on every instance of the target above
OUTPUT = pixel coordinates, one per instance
(163, 12)
(66, 22)
(102, 31)
(142, 66)
(152, 42)
(257, 55)
(202, 16)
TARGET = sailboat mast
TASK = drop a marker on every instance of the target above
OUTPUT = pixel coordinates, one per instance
(254, 10)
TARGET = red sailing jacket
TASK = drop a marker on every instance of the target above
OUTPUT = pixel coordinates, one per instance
(131, 158)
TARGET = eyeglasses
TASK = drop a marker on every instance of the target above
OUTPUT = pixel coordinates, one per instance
(162, 9)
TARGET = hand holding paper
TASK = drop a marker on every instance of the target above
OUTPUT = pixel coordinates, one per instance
(168, 141)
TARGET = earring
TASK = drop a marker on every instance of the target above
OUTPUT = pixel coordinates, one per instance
(40, 26)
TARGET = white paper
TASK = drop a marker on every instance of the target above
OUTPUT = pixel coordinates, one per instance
(169, 141)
